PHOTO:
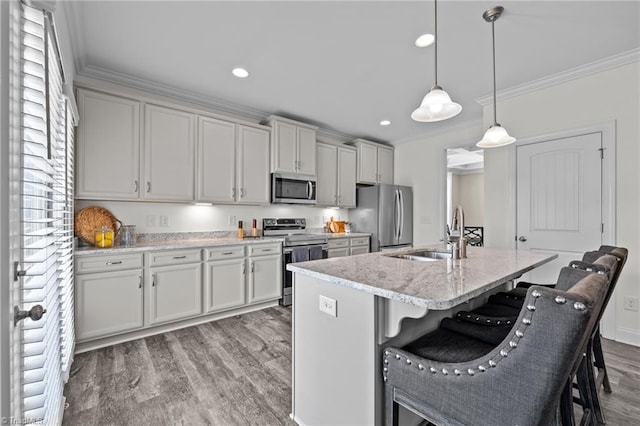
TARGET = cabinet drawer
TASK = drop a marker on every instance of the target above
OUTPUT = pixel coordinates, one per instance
(338, 243)
(359, 250)
(174, 257)
(341, 252)
(264, 249)
(108, 263)
(225, 252)
(359, 241)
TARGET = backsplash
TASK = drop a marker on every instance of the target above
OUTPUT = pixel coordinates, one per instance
(151, 218)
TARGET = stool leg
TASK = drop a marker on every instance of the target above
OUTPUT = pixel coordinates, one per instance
(566, 404)
(582, 378)
(593, 386)
(599, 361)
(391, 407)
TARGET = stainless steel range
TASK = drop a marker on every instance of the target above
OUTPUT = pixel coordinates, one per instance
(299, 245)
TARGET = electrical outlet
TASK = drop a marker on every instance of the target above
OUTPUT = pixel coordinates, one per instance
(151, 220)
(631, 303)
(231, 220)
(164, 221)
(328, 306)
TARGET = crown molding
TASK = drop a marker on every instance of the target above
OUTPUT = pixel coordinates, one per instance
(595, 67)
(74, 29)
(463, 125)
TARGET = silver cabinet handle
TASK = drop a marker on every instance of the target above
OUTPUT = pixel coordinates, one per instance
(135, 186)
(148, 187)
(114, 263)
(244, 268)
(140, 282)
(179, 257)
(233, 192)
(227, 253)
(252, 267)
(242, 191)
(266, 249)
(153, 280)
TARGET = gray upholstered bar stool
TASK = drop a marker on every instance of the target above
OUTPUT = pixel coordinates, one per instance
(519, 381)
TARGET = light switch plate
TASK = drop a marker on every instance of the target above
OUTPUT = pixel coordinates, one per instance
(328, 306)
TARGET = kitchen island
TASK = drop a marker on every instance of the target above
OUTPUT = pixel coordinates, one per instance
(346, 310)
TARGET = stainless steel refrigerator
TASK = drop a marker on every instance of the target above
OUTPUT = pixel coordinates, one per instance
(385, 211)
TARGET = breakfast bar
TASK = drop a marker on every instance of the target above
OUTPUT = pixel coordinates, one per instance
(346, 310)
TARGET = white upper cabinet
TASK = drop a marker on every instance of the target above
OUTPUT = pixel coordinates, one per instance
(253, 165)
(216, 166)
(375, 162)
(169, 154)
(327, 175)
(293, 146)
(336, 175)
(108, 148)
(233, 163)
(346, 177)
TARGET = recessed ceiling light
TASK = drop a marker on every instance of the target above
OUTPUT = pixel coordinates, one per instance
(240, 72)
(385, 122)
(425, 40)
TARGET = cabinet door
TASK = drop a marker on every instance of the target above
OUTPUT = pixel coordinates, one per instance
(385, 165)
(225, 286)
(216, 161)
(306, 153)
(367, 163)
(108, 148)
(327, 175)
(253, 166)
(284, 147)
(176, 292)
(346, 177)
(265, 278)
(168, 154)
(108, 303)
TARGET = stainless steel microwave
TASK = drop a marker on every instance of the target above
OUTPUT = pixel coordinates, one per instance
(293, 189)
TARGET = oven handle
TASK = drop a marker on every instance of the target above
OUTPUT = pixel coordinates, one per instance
(287, 250)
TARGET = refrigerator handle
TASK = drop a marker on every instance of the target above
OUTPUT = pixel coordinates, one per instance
(397, 213)
(401, 203)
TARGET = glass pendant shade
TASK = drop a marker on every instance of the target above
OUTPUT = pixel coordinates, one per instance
(436, 106)
(494, 137)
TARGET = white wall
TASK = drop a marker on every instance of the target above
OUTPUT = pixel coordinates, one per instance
(421, 164)
(599, 98)
(206, 218)
(468, 191)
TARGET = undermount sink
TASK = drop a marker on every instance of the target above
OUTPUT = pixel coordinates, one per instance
(423, 255)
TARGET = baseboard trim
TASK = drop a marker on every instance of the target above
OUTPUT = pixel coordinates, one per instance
(628, 336)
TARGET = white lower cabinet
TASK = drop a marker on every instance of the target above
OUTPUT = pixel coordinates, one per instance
(108, 301)
(265, 278)
(175, 293)
(339, 247)
(118, 294)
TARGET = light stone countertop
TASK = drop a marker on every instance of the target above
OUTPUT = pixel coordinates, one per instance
(175, 244)
(438, 284)
(177, 241)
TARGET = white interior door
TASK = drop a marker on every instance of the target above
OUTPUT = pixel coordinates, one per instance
(559, 200)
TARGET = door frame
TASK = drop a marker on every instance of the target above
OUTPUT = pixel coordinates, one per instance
(608, 131)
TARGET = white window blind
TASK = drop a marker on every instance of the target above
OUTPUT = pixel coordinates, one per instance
(47, 223)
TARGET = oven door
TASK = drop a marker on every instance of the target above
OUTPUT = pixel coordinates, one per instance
(293, 189)
(287, 276)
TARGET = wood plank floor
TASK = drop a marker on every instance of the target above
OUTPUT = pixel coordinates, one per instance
(237, 371)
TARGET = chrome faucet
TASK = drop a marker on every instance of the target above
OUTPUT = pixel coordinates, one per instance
(459, 242)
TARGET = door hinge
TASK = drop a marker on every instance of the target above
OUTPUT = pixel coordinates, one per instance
(601, 152)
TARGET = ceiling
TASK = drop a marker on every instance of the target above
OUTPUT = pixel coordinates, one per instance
(344, 65)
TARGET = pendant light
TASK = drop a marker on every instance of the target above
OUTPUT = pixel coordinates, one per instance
(437, 104)
(496, 135)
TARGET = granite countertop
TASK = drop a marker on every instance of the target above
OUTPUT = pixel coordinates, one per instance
(173, 244)
(437, 284)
